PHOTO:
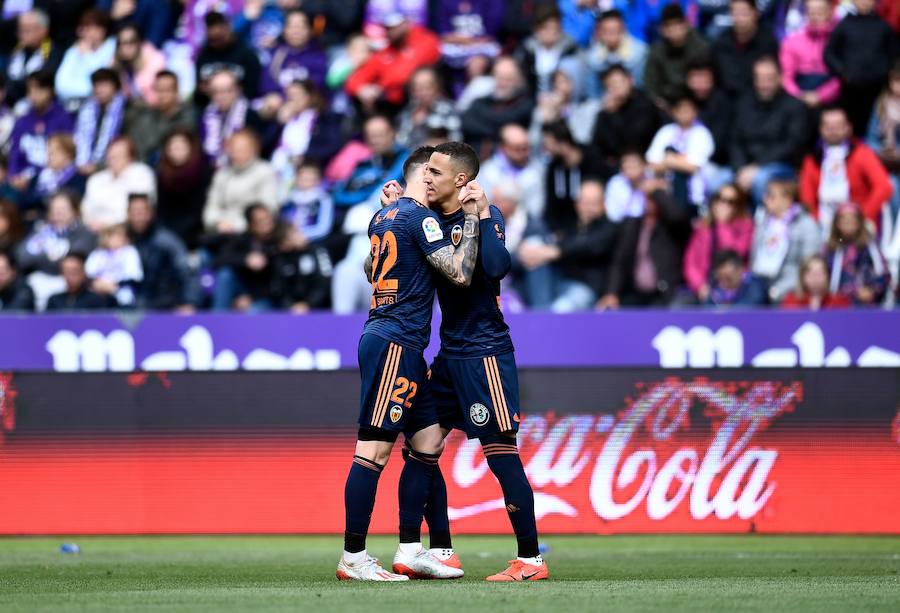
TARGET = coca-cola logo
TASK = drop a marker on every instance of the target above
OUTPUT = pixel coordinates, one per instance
(677, 444)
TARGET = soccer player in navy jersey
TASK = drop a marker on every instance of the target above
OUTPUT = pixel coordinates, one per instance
(474, 380)
(408, 245)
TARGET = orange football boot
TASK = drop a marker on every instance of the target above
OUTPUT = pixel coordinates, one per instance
(520, 571)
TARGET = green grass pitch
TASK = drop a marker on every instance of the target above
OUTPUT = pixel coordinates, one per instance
(589, 573)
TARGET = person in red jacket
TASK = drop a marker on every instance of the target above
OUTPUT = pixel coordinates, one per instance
(383, 77)
(813, 293)
(841, 169)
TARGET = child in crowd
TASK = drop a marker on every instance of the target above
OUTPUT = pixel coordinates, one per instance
(624, 196)
(115, 266)
(812, 292)
(309, 208)
(859, 271)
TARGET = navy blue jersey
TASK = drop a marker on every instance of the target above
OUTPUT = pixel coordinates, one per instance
(472, 324)
(402, 236)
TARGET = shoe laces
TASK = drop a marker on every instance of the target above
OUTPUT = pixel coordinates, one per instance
(514, 565)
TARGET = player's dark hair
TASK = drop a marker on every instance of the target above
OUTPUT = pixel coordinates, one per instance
(462, 155)
(417, 158)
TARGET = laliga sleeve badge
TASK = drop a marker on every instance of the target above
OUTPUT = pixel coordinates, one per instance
(396, 413)
(432, 229)
(479, 414)
(456, 234)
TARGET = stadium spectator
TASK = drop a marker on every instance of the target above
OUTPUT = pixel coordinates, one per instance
(861, 51)
(716, 110)
(137, 63)
(884, 134)
(34, 52)
(727, 227)
(244, 180)
(568, 166)
(59, 173)
(223, 52)
(732, 285)
(309, 207)
(15, 295)
(182, 174)
(646, 268)
(738, 48)
(167, 278)
(677, 47)
(60, 233)
(508, 103)
(353, 55)
(514, 163)
(546, 50)
(681, 150)
(467, 29)
(624, 193)
(613, 45)
(858, 268)
(297, 57)
(383, 77)
(812, 292)
(769, 131)
(77, 295)
(259, 23)
(428, 108)
(310, 131)
(99, 120)
(152, 19)
(228, 111)
(784, 236)
(806, 76)
(11, 228)
(300, 269)
(341, 19)
(28, 142)
(518, 20)
(93, 50)
(384, 164)
(106, 196)
(148, 123)
(842, 169)
(570, 272)
(115, 266)
(244, 264)
(563, 103)
(629, 120)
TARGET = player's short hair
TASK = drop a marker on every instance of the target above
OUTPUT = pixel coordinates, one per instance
(463, 157)
(417, 158)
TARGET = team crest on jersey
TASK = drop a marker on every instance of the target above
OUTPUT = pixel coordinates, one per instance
(456, 234)
(432, 229)
(396, 413)
(479, 414)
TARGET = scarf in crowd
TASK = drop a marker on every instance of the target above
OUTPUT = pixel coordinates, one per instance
(775, 244)
(50, 241)
(50, 180)
(218, 127)
(834, 185)
(21, 65)
(848, 268)
(93, 134)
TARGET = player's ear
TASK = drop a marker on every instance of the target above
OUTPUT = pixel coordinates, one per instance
(461, 179)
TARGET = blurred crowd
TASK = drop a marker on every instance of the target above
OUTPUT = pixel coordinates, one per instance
(186, 155)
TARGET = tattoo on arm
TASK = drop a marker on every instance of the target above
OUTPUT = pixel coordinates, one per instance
(458, 264)
(367, 266)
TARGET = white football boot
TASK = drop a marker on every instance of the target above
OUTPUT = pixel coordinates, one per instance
(423, 565)
(367, 570)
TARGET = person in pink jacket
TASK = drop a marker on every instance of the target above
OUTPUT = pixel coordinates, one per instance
(728, 227)
(137, 63)
(804, 74)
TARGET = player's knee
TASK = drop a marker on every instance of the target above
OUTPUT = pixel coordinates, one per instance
(429, 440)
(375, 444)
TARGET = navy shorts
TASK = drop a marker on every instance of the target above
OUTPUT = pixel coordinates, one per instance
(477, 395)
(393, 386)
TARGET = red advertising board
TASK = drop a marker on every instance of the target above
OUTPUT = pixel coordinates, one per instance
(623, 451)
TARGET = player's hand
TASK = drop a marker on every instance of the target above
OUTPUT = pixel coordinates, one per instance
(476, 193)
(390, 193)
(469, 206)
